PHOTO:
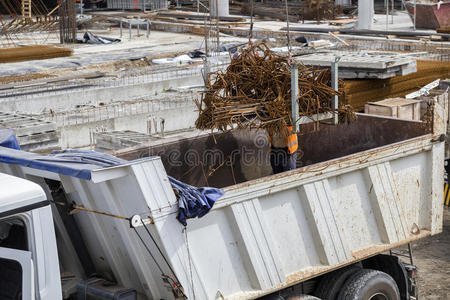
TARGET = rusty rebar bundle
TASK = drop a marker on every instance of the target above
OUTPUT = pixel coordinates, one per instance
(67, 22)
(255, 92)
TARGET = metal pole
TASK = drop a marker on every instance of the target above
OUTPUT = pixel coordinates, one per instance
(415, 12)
(217, 26)
(335, 86)
(387, 15)
(205, 69)
(121, 28)
(392, 12)
(294, 98)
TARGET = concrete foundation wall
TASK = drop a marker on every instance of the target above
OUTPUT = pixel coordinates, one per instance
(36, 104)
(76, 136)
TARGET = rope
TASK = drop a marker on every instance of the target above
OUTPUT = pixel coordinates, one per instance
(76, 208)
(148, 250)
(165, 259)
(176, 283)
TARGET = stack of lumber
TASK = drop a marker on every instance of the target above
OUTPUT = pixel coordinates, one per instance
(443, 30)
(360, 92)
(32, 52)
(255, 92)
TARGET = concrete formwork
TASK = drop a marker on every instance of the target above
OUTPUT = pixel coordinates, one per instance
(77, 127)
(33, 134)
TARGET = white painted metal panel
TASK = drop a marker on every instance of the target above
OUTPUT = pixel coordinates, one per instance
(264, 234)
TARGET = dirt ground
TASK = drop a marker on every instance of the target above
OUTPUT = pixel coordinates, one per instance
(432, 257)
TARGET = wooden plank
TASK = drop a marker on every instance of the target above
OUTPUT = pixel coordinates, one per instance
(340, 22)
(395, 107)
(51, 80)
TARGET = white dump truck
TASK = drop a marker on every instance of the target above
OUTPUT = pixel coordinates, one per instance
(75, 229)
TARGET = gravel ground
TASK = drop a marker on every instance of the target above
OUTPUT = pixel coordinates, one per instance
(432, 257)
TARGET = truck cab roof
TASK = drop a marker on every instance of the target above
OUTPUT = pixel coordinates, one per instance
(17, 193)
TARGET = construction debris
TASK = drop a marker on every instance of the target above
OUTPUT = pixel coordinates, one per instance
(32, 52)
(89, 38)
(255, 92)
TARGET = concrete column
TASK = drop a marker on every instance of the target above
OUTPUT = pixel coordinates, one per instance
(365, 14)
(222, 9)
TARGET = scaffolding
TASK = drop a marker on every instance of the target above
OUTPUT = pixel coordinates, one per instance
(28, 22)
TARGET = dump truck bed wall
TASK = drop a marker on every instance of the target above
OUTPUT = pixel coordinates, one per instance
(264, 234)
(222, 160)
(274, 232)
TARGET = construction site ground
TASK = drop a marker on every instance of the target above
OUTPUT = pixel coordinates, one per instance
(432, 257)
(162, 43)
(110, 56)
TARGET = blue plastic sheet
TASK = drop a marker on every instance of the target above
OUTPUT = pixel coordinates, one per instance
(8, 139)
(74, 163)
(193, 202)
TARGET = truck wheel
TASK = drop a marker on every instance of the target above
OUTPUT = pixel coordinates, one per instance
(331, 284)
(369, 284)
(303, 297)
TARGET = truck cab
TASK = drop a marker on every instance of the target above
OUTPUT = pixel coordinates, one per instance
(28, 253)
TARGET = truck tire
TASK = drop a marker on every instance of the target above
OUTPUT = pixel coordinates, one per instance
(303, 297)
(297, 297)
(331, 284)
(369, 284)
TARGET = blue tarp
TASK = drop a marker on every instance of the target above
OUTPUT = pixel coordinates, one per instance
(80, 166)
(8, 139)
(193, 201)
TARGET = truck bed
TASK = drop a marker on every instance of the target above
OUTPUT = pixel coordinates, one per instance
(360, 189)
(222, 160)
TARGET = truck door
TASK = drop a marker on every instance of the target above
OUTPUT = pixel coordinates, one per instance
(16, 265)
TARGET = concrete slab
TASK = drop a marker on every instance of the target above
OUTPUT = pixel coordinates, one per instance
(33, 134)
(363, 64)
